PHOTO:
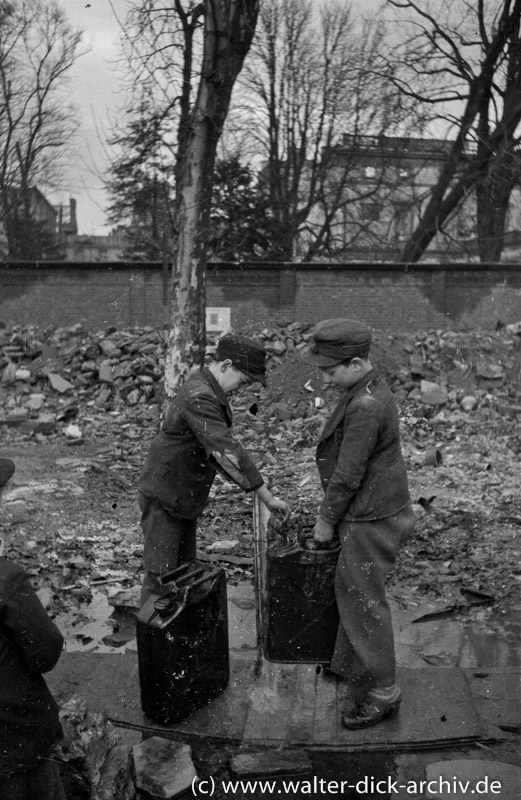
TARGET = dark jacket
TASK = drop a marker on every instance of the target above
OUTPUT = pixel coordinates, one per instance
(30, 643)
(195, 441)
(359, 456)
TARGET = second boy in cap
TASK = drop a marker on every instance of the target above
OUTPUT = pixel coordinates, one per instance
(367, 500)
(194, 442)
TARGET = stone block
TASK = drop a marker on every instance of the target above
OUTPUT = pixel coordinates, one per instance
(224, 547)
(489, 370)
(437, 398)
(277, 348)
(163, 768)
(43, 424)
(105, 374)
(116, 778)
(469, 403)
(59, 384)
(460, 778)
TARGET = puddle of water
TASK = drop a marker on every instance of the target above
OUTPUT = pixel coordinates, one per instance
(102, 621)
(486, 639)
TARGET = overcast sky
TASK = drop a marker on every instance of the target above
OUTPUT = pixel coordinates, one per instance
(96, 90)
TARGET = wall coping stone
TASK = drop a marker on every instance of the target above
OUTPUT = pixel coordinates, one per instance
(214, 266)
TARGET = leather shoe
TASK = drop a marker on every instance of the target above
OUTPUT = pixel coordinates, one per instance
(369, 711)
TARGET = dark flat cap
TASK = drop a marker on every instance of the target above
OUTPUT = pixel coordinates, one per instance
(337, 340)
(7, 468)
(245, 355)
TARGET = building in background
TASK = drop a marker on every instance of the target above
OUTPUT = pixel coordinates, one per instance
(387, 182)
(85, 248)
(28, 227)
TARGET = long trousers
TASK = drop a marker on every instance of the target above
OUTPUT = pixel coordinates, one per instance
(364, 649)
(168, 542)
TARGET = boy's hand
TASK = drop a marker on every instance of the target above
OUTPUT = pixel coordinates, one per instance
(280, 508)
(274, 504)
(323, 531)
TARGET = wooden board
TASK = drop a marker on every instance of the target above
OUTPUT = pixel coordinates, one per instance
(271, 700)
(303, 711)
(282, 705)
(325, 720)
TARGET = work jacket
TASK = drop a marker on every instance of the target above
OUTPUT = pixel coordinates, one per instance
(30, 643)
(359, 456)
(194, 442)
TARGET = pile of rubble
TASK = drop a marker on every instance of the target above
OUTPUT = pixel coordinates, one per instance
(458, 392)
(53, 375)
(53, 379)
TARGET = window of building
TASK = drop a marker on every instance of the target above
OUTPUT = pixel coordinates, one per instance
(371, 211)
(402, 222)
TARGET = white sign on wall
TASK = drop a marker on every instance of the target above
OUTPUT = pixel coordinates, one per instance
(218, 320)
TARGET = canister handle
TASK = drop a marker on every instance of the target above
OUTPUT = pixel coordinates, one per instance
(170, 576)
(164, 603)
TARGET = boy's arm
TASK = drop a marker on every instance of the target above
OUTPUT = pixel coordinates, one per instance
(25, 622)
(204, 417)
(361, 427)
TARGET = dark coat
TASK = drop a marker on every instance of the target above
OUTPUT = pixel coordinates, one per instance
(195, 440)
(30, 643)
(359, 456)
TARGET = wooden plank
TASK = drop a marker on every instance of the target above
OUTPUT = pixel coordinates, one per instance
(261, 516)
(436, 707)
(325, 720)
(303, 711)
(271, 704)
(497, 697)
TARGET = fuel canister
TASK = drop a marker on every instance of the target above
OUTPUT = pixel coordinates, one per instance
(182, 643)
(301, 615)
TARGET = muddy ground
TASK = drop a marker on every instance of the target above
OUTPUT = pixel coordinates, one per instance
(78, 410)
(70, 517)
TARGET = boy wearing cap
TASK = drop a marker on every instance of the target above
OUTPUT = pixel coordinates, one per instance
(367, 499)
(30, 643)
(195, 441)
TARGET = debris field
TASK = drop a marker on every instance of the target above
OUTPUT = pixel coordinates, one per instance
(78, 409)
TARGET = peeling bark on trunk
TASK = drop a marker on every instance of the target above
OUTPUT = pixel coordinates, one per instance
(229, 26)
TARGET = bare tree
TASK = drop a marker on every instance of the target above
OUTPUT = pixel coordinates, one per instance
(37, 49)
(313, 74)
(190, 54)
(463, 59)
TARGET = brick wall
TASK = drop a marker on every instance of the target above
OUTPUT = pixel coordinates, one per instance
(386, 296)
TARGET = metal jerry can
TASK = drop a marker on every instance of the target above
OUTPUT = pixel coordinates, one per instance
(182, 643)
(301, 615)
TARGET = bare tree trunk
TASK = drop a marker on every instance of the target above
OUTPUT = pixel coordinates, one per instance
(493, 194)
(229, 26)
